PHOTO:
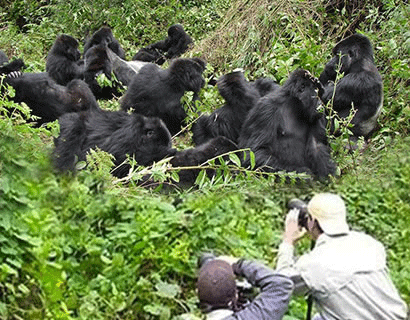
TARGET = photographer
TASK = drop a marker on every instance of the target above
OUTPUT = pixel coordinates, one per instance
(220, 298)
(346, 271)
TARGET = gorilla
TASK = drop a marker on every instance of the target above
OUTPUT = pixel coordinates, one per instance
(97, 61)
(156, 92)
(360, 86)
(199, 156)
(117, 132)
(63, 61)
(171, 47)
(49, 100)
(285, 130)
(104, 36)
(240, 96)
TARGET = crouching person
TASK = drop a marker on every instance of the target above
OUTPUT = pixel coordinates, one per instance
(219, 296)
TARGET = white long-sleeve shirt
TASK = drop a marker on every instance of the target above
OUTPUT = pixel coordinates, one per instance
(347, 276)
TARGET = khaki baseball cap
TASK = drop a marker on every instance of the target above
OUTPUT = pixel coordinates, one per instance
(330, 211)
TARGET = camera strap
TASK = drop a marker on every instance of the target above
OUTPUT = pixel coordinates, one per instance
(309, 299)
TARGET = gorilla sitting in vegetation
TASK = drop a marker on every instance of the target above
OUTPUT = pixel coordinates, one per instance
(171, 47)
(155, 92)
(360, 88)
(104, 36)
(286, 132)
(63, 61)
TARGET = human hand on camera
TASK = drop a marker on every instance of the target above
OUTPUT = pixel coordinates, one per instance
(293, 232)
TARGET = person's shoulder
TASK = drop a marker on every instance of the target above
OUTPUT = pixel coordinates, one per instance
(366, 240)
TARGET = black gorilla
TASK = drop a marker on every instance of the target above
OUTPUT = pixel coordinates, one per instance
(116, 132)
(156, 92)
(97, 61)
(285, 131)
(240, 96)
(104, 36)
(173, 46)
(361, 84)
(63, 61)
(199, 156)
(49, 100)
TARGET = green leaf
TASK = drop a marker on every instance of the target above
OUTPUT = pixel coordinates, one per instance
(167, 290)
(235, 159)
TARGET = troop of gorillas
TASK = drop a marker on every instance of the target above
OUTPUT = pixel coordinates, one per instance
(281, 125)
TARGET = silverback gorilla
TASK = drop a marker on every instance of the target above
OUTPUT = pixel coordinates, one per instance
(285, 130)
(360, 86)
(155, 92)
(240, 96)
(116, 132)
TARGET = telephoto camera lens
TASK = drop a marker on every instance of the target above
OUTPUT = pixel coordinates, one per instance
(303, 213)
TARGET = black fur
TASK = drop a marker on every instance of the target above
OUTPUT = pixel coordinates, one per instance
(104, 36)
(116, 132)
(97, 61)
(63, 61)
(285, 131)
(265, 86)
(12, 67)
(171, 47)
(199, 156)
(49, 100)
(240, 96)
(156, 92)
(361, 84)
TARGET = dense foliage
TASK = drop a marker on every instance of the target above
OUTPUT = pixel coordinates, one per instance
(91, 247)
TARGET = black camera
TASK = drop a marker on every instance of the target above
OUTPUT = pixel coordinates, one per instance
(303, 212)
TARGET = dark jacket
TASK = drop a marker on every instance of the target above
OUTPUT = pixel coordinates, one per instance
(275, 291)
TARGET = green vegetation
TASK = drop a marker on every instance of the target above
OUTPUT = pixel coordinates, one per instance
(91, 247)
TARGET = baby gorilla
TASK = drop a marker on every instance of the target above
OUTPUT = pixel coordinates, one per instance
(171, 47)
(285, 130)
(63, 61)
(104, 36)
(240, 96)
(155, 92)
(116, 132)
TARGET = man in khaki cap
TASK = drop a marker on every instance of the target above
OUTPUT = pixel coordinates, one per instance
(346, 271)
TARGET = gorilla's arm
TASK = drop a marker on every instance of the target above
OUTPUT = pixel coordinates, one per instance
(318, 151)
(329, 73)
